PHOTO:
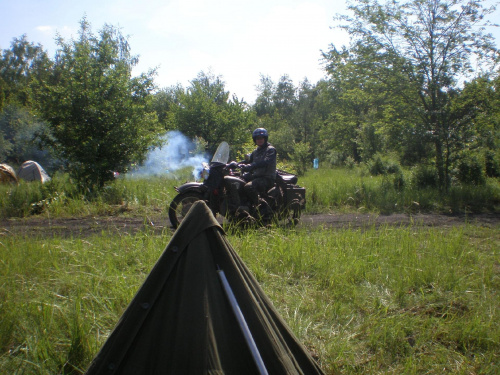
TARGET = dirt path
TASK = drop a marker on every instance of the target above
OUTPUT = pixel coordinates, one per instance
(429, 220)
(81, 227)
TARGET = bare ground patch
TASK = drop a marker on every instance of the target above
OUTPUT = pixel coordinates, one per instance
(128, 225)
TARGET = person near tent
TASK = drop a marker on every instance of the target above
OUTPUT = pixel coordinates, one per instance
(259, 171)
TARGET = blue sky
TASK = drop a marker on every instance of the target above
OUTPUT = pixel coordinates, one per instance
(238, 40)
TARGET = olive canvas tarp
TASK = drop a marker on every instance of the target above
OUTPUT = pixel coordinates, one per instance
(181, 322)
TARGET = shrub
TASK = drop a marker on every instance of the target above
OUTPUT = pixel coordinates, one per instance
(376, 166)
(335, 158)
(380, 165)
(425, 176)
(301, 157)
(399, 181)
(470, 170)
(17, 200)
(393, 168)
(349, 162)
(492, 164)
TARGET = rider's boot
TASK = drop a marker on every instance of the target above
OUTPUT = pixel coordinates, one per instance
(253, 197)
(243, 216)
(264, 210)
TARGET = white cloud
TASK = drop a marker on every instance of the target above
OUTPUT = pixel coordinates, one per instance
(45, 29)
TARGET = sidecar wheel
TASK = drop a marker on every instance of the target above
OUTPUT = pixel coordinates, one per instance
(180, 206)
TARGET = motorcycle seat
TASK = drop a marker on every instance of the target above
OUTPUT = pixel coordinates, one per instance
(287, 178)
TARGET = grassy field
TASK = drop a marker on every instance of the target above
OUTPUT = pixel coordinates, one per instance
(328, 190)
(385, 300)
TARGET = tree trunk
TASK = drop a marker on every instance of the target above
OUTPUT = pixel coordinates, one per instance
(440, 164)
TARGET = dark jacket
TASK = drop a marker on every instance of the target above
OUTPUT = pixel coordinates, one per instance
(263, 162)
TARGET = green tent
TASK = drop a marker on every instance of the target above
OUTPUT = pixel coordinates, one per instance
(182, 321)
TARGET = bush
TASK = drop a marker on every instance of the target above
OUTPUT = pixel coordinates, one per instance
(335, 158)
(18, 200)
(470, 170)
(492, 164)
(381, 166)
(425, 176)
(301, 157)
(399, 181)
(393, 168)
(376, 166)
(349, 162)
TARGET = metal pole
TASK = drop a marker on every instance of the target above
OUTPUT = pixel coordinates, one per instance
(243, 324)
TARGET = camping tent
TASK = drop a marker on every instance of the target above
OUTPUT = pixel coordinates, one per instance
(7, 173)
(181, 320)
(32, 171)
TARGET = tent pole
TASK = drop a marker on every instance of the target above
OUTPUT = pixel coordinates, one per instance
(243, 324)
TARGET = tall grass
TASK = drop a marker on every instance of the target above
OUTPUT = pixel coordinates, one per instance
(388, 300)
(59, 296)
(60, 198)
(326, 190)
(342, 189)
(407, 300)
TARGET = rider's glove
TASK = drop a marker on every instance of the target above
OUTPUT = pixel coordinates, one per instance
(245, 167)
(232, 165)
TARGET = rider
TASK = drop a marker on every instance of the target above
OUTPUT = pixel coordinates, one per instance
(260, 168)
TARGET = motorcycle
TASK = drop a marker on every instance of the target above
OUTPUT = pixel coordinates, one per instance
(284, 201)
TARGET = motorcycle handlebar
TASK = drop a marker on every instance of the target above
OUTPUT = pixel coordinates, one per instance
(232, 165)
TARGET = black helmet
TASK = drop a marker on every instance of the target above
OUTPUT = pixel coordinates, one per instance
(260, 132)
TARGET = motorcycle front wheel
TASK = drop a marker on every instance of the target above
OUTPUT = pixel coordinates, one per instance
(180, 206)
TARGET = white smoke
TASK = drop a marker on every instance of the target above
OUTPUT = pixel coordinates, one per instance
(176, 152)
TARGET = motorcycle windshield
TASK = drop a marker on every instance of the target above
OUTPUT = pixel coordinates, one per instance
(222, 154)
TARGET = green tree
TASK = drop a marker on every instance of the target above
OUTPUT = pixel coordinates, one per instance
(97, 112)
(205, 110)
(164, 102)
(284, 97)
(479, 102)
(301, 157)
(275, 99)
(304, 114)
(19, 135)
(5, 144)
(311, 111)
(20, 65)
(264, 102)
(430, 45)
(359, 97)
(293, 115)
(476, 139)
